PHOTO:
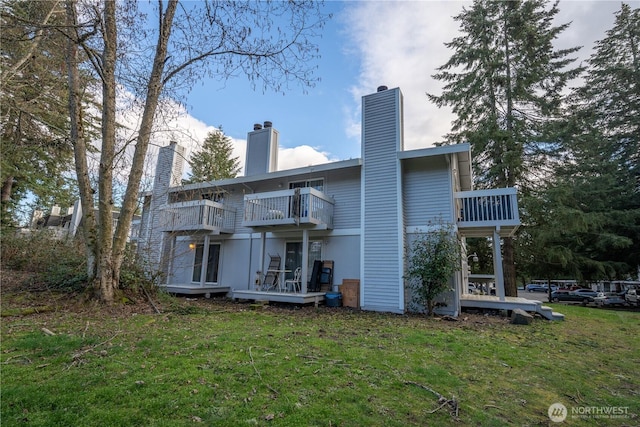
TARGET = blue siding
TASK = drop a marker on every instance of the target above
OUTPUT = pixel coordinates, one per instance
(382, 223)
(427, 191)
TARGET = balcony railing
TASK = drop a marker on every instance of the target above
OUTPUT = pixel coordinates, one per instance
(301, 206)
(198, 215)
(488, 209)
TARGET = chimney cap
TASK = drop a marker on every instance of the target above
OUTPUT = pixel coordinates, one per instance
(257, 126)
(268, 124)
(382, 88)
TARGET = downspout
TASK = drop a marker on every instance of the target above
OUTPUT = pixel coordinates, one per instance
(250, 261)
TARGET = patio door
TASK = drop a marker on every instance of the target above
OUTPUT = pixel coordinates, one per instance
(293, 257)
(206, 262)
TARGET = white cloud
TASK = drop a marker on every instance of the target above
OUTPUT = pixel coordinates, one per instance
(303, 155)
(398, 49)
(401, 44)
(175, 124)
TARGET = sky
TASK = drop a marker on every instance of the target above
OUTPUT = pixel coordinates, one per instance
(365, 45)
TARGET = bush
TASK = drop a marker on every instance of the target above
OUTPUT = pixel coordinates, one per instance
(432, 259)
(61, 263)
(57, 262)
(134, 274)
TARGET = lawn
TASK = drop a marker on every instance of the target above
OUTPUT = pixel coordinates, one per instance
(215, 362)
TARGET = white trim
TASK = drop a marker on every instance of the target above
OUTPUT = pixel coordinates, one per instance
(400, 201)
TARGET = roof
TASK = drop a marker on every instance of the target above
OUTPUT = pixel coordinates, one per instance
(462, 150)
(343, 164)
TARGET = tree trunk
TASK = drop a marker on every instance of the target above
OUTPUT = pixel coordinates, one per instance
(78, 139)
(509, 268)
(106, 281)
(154, 89)
(7, 187)
(430, 305)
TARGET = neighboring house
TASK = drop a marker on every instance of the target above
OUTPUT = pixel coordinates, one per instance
(361, 214)
(69, 224)
(57, 221)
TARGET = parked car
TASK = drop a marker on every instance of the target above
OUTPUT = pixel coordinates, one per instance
(609, 299)
(585, 292)
(535, 287)
(570, 296)
(632, 297)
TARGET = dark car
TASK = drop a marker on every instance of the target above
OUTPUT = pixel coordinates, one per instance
(570, 296)
(585, 292)
(609, 299)
(535, 287)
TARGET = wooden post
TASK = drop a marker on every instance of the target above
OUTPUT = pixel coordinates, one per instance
(497, 266)
(305, 260)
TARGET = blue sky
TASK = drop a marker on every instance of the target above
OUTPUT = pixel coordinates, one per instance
(366, 44)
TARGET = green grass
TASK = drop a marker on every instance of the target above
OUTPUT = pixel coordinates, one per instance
(229, 366)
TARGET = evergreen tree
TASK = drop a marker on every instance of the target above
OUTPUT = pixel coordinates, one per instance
(36, 152)
(214, 161)
(504, 83)
(588, 222)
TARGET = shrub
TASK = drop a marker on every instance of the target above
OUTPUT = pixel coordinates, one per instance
(57, 262)
(432, 259)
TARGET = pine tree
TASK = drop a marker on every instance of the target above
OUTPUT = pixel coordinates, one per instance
(504, 83)
(36, 152)
(214, 161)
(594, 201)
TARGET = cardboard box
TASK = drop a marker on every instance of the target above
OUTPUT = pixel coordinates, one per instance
(350, 289)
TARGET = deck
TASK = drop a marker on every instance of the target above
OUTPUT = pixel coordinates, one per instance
(509, 303)
(195, 290)
(288, 297)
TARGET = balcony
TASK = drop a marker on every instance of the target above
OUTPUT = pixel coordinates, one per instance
(198, 215)
(299, 207)
(484, 211)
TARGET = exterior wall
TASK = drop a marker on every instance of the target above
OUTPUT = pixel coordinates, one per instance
(427, 194)
(382, 227)
(345, 252)
(345, 186)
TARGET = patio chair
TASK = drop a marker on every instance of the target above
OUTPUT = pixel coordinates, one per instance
(295, 283)
(271, 277)
(314, 283)
(326, 276)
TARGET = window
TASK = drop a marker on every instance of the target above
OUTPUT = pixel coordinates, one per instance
(293, 258)
(213, 260)
(216, 197)
(317, 184)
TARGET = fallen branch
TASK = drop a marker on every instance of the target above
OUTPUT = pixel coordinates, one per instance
(452, 403)
(260, 376)
(76, 356)
(150, 300)
(48, 332)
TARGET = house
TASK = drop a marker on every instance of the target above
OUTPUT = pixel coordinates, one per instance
(221, 236)
(64, 225)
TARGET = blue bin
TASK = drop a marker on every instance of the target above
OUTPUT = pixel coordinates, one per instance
(333, 299)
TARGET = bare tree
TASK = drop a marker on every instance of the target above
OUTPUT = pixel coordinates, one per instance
(270, 42)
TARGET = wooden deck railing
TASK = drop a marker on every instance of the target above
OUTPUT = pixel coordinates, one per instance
(488, 209)
(198, 215)
(288, 207)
